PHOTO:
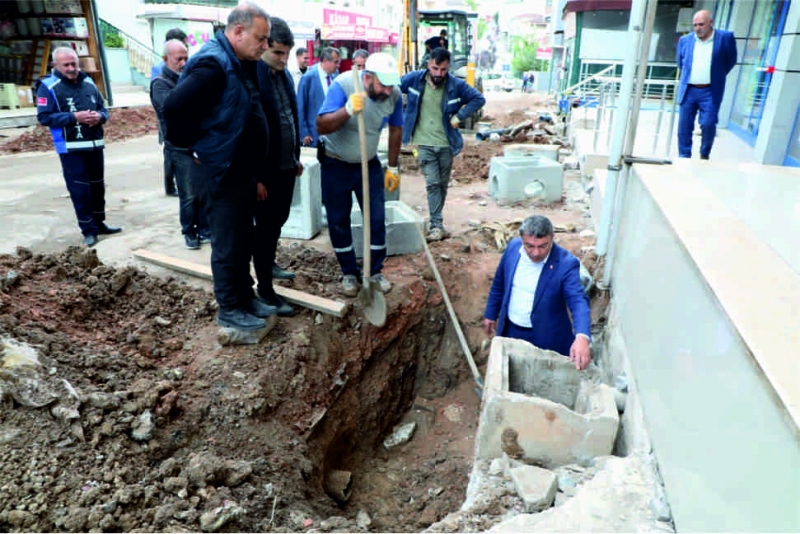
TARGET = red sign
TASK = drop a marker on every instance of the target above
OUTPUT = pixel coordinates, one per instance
(338, 17)
(544, 53)
(377, 35)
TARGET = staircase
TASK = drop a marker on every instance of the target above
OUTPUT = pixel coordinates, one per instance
(141, 58)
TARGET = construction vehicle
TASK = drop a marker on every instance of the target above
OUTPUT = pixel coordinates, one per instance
(419, 25)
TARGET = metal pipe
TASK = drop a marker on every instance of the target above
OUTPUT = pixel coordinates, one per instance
(644, 52)
(660, 118)
(620, 126)
(672, 118)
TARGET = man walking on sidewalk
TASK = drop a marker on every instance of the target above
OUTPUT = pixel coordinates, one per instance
(437, 102)
(704, 58)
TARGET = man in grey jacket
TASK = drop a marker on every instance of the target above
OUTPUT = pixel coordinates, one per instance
(178, 161)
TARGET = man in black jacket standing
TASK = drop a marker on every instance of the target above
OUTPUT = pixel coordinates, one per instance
(178, 160)
(216, 111)
(69, 103)
(276, 184)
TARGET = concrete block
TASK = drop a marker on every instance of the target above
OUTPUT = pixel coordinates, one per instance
(535, 486)
(554, 414)
(305, 214)
(513, 179)
(401, 235)
(528, 149)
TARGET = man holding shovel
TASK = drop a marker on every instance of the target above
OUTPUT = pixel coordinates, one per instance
(380, 102)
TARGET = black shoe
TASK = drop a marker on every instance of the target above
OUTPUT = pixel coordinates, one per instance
(104, 229)
(239, 319)
(259, 308)
(192, 243)
(203, 239)
(90, 240)
(172, 194)
(281, 274)
(283, 309)
(703, 157)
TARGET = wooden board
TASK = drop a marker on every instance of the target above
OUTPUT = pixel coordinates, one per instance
(293, 296)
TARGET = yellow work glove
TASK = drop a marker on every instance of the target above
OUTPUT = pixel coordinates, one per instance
(391, 180)
(355, 104)
(454, 122)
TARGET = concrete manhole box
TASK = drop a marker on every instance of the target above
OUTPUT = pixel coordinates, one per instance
(555, 414)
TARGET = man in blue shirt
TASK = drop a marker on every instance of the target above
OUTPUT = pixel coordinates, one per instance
(380, 103)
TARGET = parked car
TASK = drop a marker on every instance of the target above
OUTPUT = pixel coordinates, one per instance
(499, 81)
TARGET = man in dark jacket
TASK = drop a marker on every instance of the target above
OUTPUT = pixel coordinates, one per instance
(437, 103)
(177, 160)
(276, 183)
(216, 111)
(69, 103)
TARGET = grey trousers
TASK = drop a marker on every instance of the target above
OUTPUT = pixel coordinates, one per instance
(436, 162)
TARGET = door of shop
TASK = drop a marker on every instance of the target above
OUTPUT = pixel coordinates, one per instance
(758, 62)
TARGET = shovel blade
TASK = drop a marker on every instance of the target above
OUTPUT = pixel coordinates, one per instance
(374, 305)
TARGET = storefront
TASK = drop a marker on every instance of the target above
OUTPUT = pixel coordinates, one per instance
(29, 32)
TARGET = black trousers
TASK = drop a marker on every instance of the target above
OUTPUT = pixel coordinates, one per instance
(271, 214)
(229, 205)
(84, 174)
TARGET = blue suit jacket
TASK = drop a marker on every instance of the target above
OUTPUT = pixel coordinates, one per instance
(723, 59)
(309, 100)
(559, 289)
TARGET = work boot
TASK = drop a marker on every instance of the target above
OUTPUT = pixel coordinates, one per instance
(349, 285)
(279, 273)
(259, 308)
(90, 240)
(104, 229)
(283, 309)
(240, 319)
(381, 280)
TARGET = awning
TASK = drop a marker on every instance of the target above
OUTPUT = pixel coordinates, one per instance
(596, 5)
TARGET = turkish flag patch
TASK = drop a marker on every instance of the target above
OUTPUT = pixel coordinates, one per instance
(41, 101)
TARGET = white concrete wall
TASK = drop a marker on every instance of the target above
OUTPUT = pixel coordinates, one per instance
(123, 15)
(727, 452)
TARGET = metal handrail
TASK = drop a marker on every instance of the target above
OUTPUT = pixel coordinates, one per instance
(141, 57)
(591, 79)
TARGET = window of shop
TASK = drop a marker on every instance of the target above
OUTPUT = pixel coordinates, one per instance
(761, 47)
(793, 156)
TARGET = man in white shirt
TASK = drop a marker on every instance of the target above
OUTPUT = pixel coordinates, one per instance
(301, 55)
(704, 58)
(536, 284)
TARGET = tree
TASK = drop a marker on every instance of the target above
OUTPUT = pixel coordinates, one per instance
(524, 56)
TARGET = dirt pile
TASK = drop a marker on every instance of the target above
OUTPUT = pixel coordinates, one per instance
(135, 419)
(123, 123)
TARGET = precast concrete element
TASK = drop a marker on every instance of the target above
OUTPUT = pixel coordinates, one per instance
(535, 486)
(539, 409)
(514, 179)
(528, 149)
(401, 236)
(305, 215)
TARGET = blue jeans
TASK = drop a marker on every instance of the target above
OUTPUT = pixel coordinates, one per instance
(84, 174)
(436, 163)
(339, 181)
(192, 218)
(694, 100)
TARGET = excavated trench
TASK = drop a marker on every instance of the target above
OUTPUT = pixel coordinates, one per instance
(150, 425)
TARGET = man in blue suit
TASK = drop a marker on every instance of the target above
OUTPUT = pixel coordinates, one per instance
(705, 58)
(311, 93)
(536, 284)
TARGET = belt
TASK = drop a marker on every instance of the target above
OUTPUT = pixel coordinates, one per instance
(700, 85)
(334, 156)
(99, 143)
(520, 327)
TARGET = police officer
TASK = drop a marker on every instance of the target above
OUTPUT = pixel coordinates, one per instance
(69, 103)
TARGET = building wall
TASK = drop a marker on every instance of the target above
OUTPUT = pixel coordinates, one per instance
(123, 15)
(728, 456)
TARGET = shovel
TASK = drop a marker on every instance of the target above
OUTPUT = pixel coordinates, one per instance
(371, 298)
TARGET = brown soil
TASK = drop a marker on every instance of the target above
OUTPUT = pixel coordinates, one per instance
(244, 436)
(123, 123)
